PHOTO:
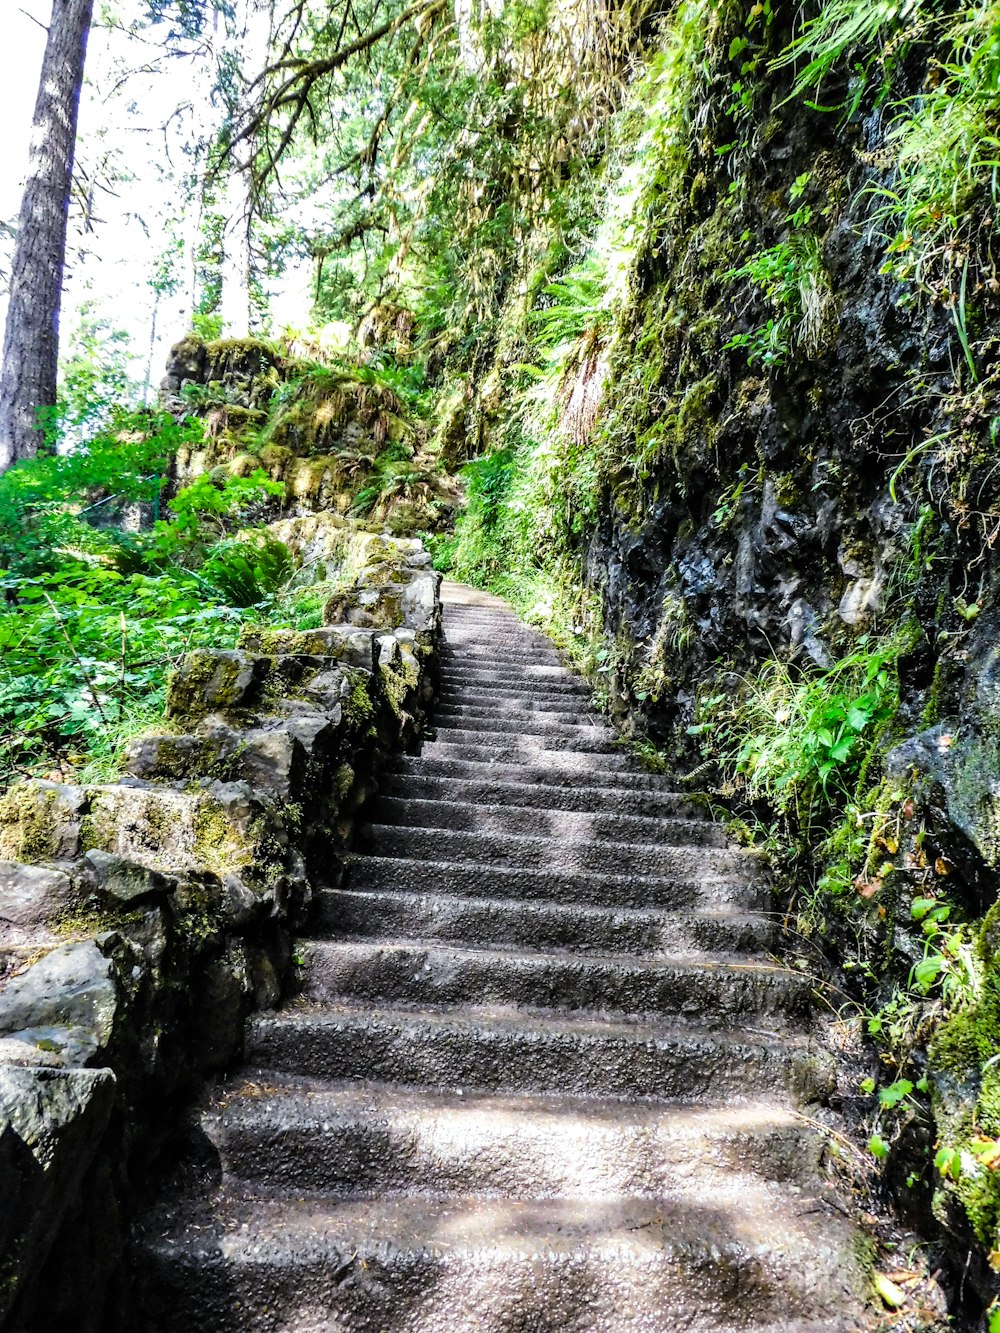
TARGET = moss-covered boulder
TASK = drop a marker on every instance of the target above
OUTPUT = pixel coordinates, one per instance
(211, 680)
(41, 821)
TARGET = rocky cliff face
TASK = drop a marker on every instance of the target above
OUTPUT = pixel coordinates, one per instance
(337, 435)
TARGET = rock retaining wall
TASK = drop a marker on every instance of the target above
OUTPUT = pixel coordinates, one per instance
(141, 921)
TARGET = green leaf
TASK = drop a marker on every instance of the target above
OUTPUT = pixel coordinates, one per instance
(895, 1092)
(927, 971)
(878, 1147)
(921, 906)
(949, 1163)
(892, 1295)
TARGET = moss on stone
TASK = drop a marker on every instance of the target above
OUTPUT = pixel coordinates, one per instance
(27, 823)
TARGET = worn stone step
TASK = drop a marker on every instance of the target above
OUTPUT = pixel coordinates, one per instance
(606, 857)
(484, 718)
(510, 672)
(581, 740)
(566, 688)
(478, 817)
(609, 760)
(545, 925)
(500, 1051)
(597, 800)
(469, 643)
(559, 771)
(402, 874)
(500, 725)
(483, 703)
(726, 991)
(353, 1140)
(495, 654)
(742, 1256)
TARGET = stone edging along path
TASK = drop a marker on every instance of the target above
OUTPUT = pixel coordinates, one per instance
(142, 921)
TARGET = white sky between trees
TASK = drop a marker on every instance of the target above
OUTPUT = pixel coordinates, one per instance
(109, 264)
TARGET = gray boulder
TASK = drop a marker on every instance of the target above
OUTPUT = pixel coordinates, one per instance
(33, 895)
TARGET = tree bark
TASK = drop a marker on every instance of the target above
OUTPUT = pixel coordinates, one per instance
(31, 340)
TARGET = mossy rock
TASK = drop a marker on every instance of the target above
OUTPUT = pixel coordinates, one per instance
(211, 680)
(41, 821)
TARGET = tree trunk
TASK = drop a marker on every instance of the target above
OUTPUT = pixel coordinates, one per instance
(31, 341)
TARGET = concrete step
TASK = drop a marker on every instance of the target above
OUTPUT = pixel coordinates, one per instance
(595, 800)
(570, 857)
(468, 646)
(487, 703)
(350, 1139)
(510, 672)
(581, 740)
(546, 692)
(561, 771)
(496, 1050)
(527, 724)
(744, 1256)
(611, 759)
(475, 817)
(450, 918)
(723, 991)
(402, 874)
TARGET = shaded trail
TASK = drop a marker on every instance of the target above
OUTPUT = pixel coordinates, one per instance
(542, 1076)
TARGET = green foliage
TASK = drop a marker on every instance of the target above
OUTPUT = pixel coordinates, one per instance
(93, 619)
(84, 654)
(573, 307)
(205, 508)
(800, 740)
(842, 31)
(946, 144)
(791, 279)
(248, 573)
(45, 501)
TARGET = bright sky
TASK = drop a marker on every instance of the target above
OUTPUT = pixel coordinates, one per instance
(110, 265)
(20, 65)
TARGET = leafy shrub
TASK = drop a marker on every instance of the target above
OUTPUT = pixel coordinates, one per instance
(44, 499)
(800, 740)
(248, 573)
(84, 656)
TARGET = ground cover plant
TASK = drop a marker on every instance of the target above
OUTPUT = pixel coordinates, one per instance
(93, 618)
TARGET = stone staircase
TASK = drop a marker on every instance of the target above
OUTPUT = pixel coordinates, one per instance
(542, 1076)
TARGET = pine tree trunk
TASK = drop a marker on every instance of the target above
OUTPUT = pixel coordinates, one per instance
(31, 341)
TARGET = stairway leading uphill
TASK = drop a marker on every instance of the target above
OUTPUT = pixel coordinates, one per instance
(542, 1076)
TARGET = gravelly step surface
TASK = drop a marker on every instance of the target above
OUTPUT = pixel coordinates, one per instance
(557, 771)
(495, 791)
(720, 989)
(545, 925)
(482, 817)
(380, 1140)
(543, 1074)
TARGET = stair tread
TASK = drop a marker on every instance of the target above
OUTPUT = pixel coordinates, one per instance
(553, 774)
(709, 964)
(658, 915)
(538, 796)
(567, 825)
(532, 850)
(494, 1019)
(793, 1252)
(262, 1094)
(358, 860)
